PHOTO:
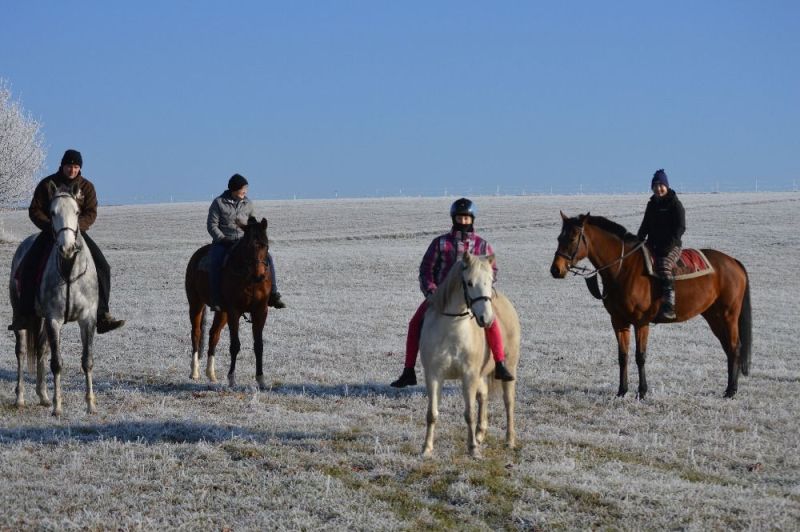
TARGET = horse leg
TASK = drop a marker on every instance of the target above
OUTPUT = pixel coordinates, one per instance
(233, 328)
(54, 336)
(642, 333)
(483, 410)
(509, 393)
(259, 320)
(623, 332)
(196, 315)
(726, 329)
(87, 362)
(38, 343)
(433, 386)
(213, 338)
(469, 388)
(19, 349)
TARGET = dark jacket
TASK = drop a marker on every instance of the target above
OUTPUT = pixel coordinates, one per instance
(664, 223)
(39, 210)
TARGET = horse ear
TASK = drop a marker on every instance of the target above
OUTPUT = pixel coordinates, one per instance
(583, 218)
(264, 224)
(466, 258)
(491, 258)
(563, 216)
(75, 190)
(52, 188)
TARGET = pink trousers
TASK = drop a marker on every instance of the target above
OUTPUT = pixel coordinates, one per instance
(493, 337)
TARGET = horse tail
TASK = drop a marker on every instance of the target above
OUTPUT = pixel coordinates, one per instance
(203, 328)
(745, 327)
(31, 348)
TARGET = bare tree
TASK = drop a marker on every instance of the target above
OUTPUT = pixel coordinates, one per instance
(22, 151)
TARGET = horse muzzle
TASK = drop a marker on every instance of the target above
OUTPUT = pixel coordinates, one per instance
(558, 269)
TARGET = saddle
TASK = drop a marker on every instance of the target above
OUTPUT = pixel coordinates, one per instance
(692, 263)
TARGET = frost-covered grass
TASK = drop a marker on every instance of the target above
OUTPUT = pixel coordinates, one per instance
(331, 444)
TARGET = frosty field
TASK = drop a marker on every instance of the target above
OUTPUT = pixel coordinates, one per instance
(332, 445)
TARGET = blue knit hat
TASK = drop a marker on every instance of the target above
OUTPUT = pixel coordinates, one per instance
(72, 157)
(660, 177)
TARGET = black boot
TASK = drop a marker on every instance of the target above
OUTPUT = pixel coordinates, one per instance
(667, 310)
(107, 322)
(501, 373)
(275, 300)
(408, 378)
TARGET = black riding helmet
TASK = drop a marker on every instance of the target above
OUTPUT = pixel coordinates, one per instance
(463, 206)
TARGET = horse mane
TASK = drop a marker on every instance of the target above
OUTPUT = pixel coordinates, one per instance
(451, 285)
(611, 227)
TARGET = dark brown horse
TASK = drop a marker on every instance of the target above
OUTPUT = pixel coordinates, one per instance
(246, 284)
(633, 298)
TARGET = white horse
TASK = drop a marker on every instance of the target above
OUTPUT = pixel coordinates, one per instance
(453, 346)
(68, 292)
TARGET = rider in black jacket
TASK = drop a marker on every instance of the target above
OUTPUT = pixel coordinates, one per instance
(664, 223)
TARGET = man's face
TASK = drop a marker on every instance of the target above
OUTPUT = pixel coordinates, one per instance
(239, 194)
(660, 190)
(70, 171)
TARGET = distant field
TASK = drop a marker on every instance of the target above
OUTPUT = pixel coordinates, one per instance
(331, 444)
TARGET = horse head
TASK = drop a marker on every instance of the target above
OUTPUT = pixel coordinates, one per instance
(572, 245)
(477, 276)
(253, 249)
(64, 212)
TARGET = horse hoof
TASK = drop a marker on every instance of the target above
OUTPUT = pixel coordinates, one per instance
(195, 376)
(729, 394)
(56, 412)
(231, 381)
(622, 393)
(480, 436)
(45, 402)
(20, 403)
(476, 454)
(262, 386)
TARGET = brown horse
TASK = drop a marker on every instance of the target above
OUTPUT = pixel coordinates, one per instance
(246, 284)
(633, 298)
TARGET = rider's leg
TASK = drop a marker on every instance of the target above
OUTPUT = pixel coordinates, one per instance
(409, 376)
(105, 321)
(27, 278)
(494, 337)
(274, 295)
(664, 267)
(216, 256)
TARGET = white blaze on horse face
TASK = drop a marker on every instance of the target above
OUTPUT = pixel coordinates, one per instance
(64, 218)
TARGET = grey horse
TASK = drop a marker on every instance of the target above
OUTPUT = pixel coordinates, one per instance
(68, 292)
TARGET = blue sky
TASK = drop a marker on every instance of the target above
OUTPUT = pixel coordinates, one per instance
(355, 98)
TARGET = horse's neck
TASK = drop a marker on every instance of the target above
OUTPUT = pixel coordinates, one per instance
(606, 249)
(451, 299)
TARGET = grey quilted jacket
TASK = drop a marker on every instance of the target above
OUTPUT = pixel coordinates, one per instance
(223, 213)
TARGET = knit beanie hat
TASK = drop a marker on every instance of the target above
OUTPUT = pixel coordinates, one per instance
(660, 177)
(236, 182)
(72, 157)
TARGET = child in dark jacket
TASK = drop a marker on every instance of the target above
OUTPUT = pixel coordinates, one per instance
(664, 224)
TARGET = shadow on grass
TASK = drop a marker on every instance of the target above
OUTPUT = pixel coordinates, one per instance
(153, 432)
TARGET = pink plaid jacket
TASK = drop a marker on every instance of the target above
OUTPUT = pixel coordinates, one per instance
(443, 252)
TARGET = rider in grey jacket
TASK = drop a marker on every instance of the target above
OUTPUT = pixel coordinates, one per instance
(226, 210)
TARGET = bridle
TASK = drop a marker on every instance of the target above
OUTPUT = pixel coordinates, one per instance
(590, 276)
(469, 301)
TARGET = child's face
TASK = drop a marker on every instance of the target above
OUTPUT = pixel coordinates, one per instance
(463, 219)
(660, 190)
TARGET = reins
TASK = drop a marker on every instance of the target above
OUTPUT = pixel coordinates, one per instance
(590, 277)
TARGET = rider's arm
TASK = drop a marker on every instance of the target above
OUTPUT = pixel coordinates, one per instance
(645, 227)
(88, 212)
(490, 251)
(39, 210)
(427, 282)
(212, 223)
(680, 222)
